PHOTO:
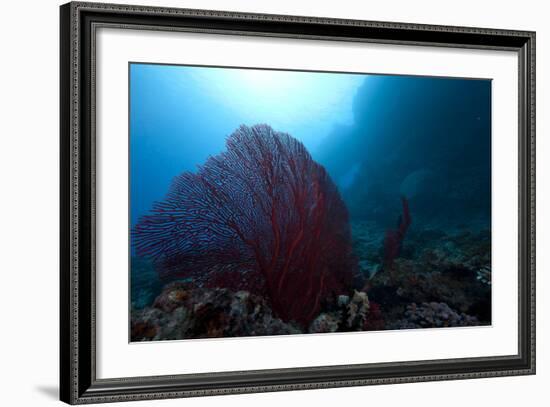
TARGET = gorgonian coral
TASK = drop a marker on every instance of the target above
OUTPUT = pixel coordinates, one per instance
(394, 237)
(261, 216)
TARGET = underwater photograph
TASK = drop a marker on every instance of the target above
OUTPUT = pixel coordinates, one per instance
(276, 202)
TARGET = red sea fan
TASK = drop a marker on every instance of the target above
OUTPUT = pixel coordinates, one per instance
(263, 212)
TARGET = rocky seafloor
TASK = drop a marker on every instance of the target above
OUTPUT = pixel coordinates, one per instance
(439, 279)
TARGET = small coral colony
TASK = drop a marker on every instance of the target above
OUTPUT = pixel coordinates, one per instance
(266, 238)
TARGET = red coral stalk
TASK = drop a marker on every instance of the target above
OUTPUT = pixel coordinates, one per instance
(375, 318)
(394, 237)
(263, 212)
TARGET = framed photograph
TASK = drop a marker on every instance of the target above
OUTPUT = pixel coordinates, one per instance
(255, 203)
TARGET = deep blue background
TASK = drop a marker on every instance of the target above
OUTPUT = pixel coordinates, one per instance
(379, 136)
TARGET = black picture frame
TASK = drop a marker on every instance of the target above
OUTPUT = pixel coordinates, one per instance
(78, 382)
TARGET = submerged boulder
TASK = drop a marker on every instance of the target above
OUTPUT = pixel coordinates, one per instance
(183, 311)
(433, 315)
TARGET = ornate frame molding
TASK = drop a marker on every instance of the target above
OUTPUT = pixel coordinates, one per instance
(79, 21)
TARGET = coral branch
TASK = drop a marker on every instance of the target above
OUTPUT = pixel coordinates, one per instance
(394, 237)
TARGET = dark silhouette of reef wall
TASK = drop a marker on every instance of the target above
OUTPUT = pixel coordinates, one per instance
(261, 216)
(426, 138)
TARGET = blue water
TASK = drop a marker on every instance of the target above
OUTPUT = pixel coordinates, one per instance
(180, 115)
(373, 133)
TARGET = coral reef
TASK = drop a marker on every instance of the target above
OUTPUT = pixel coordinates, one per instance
(448, 274)
(260, 240)
(437, 267)
(183, 311)
(263, 209)
(432, 315)
(438, 279)
(351, 315)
